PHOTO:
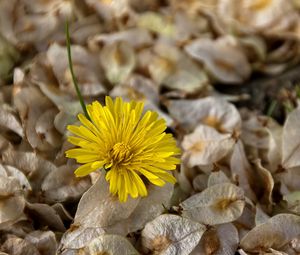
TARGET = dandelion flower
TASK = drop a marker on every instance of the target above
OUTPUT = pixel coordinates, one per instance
(131, 146)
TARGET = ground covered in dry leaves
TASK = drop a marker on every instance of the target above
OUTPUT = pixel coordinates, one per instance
(238, 189)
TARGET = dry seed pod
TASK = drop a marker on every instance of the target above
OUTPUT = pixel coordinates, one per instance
(31, 105)
(217, 178)
(86, 67)
(171, 234)
(260, 16)
(118, 61)
(31, 164)
(290, 141)
(157, 23)
(172, 69)
(220, 240)
(44, 241)
(18, 246)
(148, 208)
(136, 37)
(223, 58)
(11, 208)
(110, 244)
(109, 10)
(9, 120)
(217, 204)
(206, 146)
(211, 111)
(61, 185)
(77, 237)
(275, 233)
(200, 182)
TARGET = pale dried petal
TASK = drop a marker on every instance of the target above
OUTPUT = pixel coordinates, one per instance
(172, 234)
(276, 232)
(217, 204)
(206, 146)
(210, 111)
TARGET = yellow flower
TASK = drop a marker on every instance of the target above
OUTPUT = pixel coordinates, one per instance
(130, 145)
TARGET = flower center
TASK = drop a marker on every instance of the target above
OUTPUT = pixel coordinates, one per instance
(119, 153)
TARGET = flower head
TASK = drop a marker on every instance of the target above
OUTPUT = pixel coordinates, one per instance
(130, 145)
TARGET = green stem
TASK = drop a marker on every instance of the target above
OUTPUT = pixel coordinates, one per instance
(271, 108)
(72, 71)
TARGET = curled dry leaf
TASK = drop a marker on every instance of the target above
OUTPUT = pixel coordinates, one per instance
(45, 215)
(118, 61)
(171, 234)
(275, 233)
(217, 204)
(110, 244)
(223, 58)
(210, 111)
(206, 146)
(266, 184)
(61, 185)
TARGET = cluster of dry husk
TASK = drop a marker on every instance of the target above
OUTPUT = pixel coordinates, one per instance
(238, 185)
